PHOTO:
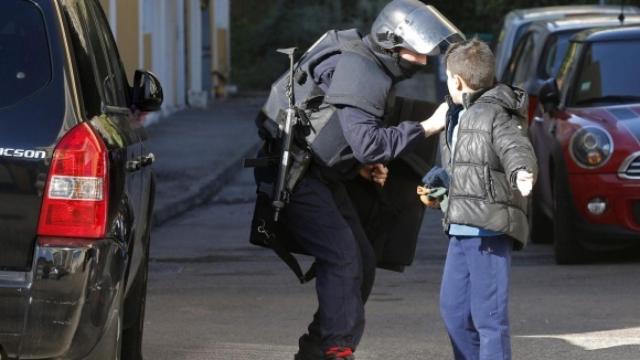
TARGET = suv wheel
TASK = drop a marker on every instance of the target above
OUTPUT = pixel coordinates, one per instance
(134, 310)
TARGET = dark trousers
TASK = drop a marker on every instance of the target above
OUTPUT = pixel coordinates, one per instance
(323, 220)
(474, 297)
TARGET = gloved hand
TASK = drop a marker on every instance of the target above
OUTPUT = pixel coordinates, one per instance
(524, 182)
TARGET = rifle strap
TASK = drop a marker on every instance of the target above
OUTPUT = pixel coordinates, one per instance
(279, 248)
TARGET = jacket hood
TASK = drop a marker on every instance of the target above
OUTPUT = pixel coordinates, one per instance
(513, 99)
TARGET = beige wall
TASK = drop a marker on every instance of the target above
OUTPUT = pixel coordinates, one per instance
(128, 34)
(156, 35)
(105, 6)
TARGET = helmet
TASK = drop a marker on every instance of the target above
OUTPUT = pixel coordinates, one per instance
(412, 25)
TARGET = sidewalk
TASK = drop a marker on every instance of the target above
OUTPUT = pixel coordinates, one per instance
(199, 151)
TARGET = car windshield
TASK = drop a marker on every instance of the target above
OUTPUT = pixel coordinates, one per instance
(24, 50)
(554, 52)
(605, 74)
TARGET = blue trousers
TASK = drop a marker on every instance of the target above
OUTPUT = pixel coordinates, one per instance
(323, 220)
(474, 297)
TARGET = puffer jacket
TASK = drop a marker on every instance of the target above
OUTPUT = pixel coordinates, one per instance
(491, 147)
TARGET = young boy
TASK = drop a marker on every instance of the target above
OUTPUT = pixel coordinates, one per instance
(492, 167)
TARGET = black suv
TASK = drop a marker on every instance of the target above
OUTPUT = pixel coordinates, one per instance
(76, 191)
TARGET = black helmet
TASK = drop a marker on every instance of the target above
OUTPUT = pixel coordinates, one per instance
(415, 26)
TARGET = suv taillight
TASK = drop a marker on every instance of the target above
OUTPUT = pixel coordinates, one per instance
(76, 197)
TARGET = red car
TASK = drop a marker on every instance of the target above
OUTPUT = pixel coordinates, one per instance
(587, 139)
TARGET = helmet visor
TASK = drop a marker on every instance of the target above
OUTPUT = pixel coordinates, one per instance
(426, 31)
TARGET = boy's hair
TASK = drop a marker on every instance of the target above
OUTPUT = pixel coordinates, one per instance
(473, 61)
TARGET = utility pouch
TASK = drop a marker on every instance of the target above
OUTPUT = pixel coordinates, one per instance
(265, 232)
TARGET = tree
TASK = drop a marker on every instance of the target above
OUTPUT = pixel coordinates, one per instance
(260, 27)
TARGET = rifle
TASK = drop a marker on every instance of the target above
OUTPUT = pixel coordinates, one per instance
(280, 192)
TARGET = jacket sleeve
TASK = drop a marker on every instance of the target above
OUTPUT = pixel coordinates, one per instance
(513, 147)
(359, 90)
(371, 142)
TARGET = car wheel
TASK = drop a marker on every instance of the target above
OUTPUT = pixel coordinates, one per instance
(567, 247)
(540, 226)
(134, 310)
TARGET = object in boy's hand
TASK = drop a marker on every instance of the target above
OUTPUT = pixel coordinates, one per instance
(435, 178)
(431, 197)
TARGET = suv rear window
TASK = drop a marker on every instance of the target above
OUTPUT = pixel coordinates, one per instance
(24, 51)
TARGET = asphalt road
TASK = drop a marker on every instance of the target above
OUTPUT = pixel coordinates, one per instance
(213, 296)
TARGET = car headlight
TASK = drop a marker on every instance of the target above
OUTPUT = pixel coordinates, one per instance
(591, 147)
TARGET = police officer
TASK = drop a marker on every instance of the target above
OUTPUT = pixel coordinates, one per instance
(352, 75)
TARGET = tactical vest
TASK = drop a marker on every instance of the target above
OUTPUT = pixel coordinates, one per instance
(320, 132)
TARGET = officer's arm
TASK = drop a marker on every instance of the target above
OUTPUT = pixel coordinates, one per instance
(371, 142)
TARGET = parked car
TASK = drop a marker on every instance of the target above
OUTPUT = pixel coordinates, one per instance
(76, 189)
(516, 23)
(587, 140)
(539, 53)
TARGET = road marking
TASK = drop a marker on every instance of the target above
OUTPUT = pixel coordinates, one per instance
(597, 340)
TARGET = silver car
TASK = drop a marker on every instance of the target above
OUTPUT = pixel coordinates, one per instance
(517, 22)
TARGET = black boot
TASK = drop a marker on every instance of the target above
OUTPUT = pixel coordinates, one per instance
(309, 348)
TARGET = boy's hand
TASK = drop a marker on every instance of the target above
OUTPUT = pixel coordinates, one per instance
(422, 193)
(524, 181)
(377, 173)
(437, 121)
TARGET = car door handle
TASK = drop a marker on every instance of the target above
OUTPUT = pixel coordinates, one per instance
(134, 165)
(148, 159)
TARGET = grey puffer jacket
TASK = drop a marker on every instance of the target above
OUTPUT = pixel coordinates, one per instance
(491, 147)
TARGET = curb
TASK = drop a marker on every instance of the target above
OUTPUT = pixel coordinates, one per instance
(203, 191)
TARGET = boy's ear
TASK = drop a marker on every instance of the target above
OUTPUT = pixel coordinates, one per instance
(458, 82)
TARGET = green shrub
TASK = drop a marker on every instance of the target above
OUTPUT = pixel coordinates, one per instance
(259, 27)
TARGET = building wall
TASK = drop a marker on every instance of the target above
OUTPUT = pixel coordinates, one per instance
(165, 37)
(128, 33)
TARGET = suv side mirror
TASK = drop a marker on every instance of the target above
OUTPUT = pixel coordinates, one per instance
(549, 94)
(146, 94)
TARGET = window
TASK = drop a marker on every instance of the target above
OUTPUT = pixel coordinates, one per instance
(509, 73)
(96, 76)
(119, 79)
(24, 51)
(554, 52)
(604, 74)
(523, 66)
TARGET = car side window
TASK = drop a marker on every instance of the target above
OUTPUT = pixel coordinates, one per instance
(94, 71)
(522, 68)
(513, 62)
(91, 93)
(118, 78)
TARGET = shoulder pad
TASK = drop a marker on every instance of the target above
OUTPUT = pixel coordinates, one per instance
(360, 82)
